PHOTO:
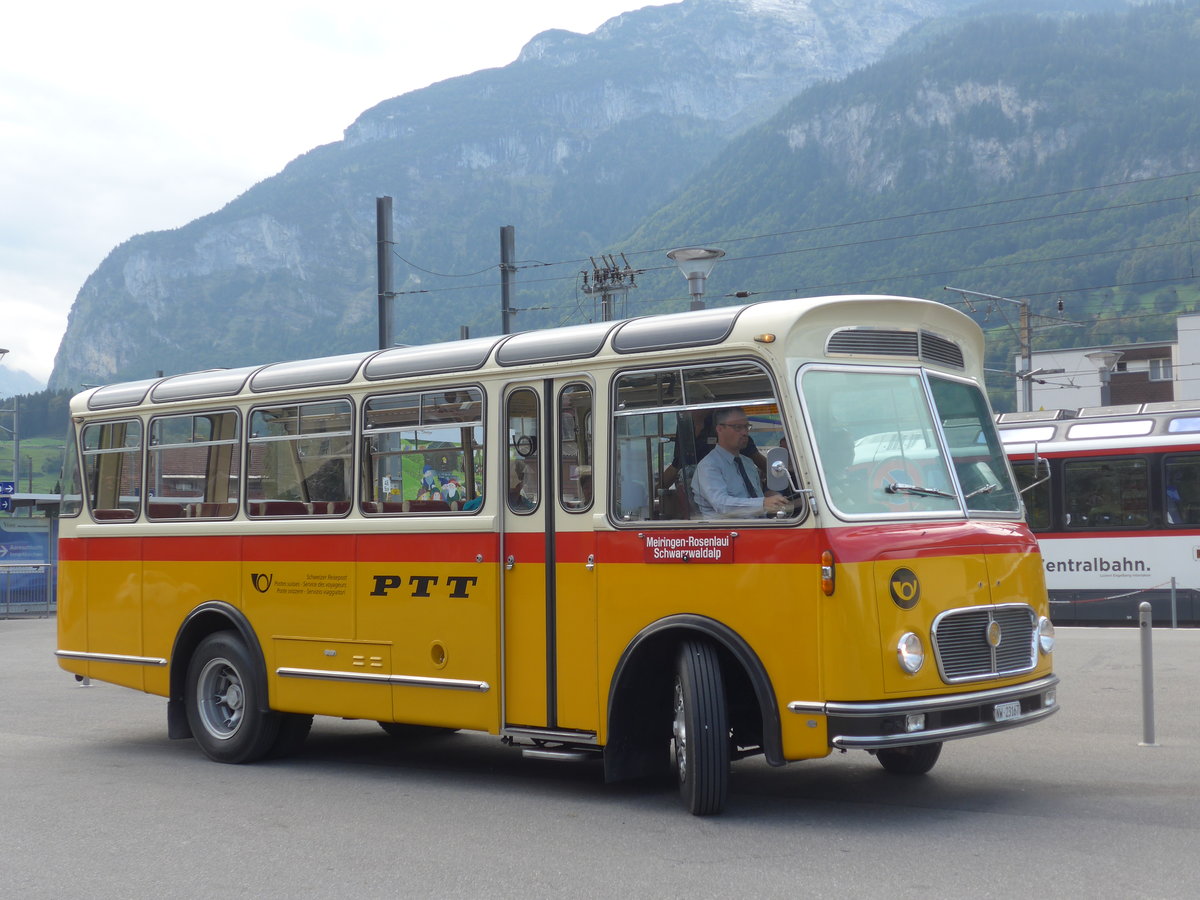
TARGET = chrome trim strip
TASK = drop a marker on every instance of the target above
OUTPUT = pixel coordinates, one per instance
(880, 741)
(111, 658)
(569, 755)
(804, 707)
(452, 684)
(924, 704)
(552, 734)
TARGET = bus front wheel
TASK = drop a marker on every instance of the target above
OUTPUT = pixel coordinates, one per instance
(223, 702)
(909, 760)
(700, 729)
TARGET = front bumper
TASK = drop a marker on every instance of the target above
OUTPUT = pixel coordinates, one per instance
(889, 723)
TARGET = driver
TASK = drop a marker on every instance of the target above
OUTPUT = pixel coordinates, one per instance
(725, 486)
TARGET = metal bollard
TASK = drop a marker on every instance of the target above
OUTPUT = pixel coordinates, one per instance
(1146, 627)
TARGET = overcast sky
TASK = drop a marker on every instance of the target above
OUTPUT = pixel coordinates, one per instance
(128, 116)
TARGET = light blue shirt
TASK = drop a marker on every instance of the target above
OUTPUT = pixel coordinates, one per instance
(719, 489)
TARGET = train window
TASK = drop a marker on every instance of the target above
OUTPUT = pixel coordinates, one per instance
(1184, 424)
(1181, 490)
(1106, 493)
(1027, 435)
(1085, 430)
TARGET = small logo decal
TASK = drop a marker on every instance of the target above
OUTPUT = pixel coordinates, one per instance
(261, 582)
(905, 588)
(994, 634)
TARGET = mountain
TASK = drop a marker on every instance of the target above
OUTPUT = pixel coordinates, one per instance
(574, 143)
(1050, 159)
(16, 381)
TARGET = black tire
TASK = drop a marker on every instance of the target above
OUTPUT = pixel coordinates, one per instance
(700, 729)
(223, 702)
(404, 732)
(909, 760)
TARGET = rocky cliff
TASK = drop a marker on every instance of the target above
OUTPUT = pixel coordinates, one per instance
(573, 143)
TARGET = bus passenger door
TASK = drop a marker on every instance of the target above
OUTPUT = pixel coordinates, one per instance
(549, 640)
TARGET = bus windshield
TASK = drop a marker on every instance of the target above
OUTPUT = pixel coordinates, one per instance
(884, 448)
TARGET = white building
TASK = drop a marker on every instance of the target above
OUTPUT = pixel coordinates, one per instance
(1138, 373)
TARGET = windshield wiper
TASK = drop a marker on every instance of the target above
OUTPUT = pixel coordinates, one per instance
(897, 487)
(986, 489)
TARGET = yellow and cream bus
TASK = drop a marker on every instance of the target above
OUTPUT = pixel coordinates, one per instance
(505, 535)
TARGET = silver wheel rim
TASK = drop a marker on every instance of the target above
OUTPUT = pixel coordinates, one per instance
(222, 698)
(679, 731)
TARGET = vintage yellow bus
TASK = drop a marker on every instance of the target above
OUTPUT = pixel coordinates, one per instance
(519, 535)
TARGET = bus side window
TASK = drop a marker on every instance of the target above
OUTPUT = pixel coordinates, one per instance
(299, 460)
(524, 451)
(422, 453)
(192, 467)
(575, 447)
(663, 428)
(112, 461)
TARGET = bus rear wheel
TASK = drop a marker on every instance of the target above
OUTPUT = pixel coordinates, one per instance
(223, 706)
(909, 760)
(700, 729)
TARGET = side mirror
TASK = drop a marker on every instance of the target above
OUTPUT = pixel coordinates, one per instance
(781, 480)
(778, 477)
(1038, 462)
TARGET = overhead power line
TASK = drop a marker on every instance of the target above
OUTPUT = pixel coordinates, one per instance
(888, 277)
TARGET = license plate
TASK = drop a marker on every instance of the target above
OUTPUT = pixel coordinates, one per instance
(1003, 712)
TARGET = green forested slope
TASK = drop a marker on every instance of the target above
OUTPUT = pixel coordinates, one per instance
(1018, 156)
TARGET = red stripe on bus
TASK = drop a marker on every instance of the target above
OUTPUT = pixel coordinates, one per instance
(907, 541)
(1139, 531)
(1138, 450)
(763, 546)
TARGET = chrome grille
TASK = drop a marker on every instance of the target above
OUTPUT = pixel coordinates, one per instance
(873, 342)
(962, 649)
(922, 345)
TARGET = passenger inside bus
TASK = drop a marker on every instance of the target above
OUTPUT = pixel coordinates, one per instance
(724, 485)
(522, 486)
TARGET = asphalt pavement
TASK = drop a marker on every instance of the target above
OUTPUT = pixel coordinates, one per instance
(97, 803)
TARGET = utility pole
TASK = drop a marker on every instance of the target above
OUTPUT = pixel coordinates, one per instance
(1024, 337)
(387, 292)
(507, 272)
(610, 279)
(15, 431)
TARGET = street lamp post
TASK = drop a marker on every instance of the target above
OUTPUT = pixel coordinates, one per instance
(1104, 361)
(696, 263)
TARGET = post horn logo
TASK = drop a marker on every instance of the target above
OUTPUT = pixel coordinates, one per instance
(261, 582)
(905, 588)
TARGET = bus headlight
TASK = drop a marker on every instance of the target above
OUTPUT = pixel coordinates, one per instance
(1045, 635)
(911, 653)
